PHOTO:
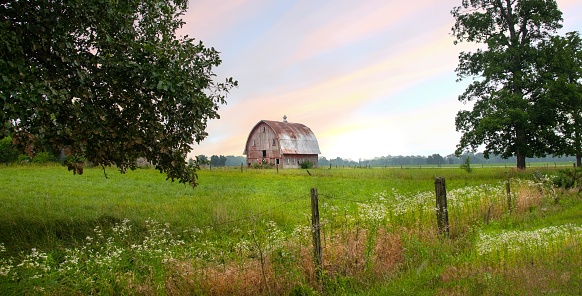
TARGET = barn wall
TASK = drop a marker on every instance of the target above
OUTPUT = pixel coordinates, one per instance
(262, 144)
(295, 160)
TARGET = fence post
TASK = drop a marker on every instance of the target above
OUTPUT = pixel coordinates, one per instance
(441, 205)
(508, 191)
(315, 229)
(241, 167)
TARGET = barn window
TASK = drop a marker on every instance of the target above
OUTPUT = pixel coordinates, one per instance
(254, 143)
(274, 143)
(264, 129)
(264, 153)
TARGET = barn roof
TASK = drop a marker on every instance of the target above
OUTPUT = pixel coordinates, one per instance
(294, 138)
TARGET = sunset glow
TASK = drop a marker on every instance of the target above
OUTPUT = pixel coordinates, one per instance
(370, 78)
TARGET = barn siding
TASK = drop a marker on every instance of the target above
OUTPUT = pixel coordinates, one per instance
(261, 138)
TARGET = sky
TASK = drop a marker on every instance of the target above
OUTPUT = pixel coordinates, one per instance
(370, 78)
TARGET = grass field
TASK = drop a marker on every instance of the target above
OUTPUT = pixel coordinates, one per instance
(248, 233)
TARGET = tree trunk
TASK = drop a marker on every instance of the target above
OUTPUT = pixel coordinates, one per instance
(520, 143)
(520, 160)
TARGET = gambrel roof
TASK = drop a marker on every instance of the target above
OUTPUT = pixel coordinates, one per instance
(293, 138)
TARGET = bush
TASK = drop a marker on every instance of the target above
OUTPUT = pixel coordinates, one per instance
(568, 178)
(8, 153)
(264, 164)
(307, 165)
(43, 157)
(23, 158)
(467, 165)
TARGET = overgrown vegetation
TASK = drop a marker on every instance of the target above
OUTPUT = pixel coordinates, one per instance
(248, 233)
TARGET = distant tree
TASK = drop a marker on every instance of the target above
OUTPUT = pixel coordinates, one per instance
(215, 160)
(107, 80)
(232, 160)
(561, 65)
(507, 116)
(322, 161)
(203, 159)
(222, 160)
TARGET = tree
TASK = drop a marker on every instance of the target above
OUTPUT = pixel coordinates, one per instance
(202, 159)
(222, 160)
(435, 159)
(109, 81)
(561, 66)
(508, 116)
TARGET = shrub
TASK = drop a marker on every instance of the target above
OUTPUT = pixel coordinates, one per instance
(8, 153)
(263, 164)
(23, 158)
(43, 157)
(568, 178)
(467, 165)
(307, 164)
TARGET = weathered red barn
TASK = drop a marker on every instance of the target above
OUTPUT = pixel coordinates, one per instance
(281, 143)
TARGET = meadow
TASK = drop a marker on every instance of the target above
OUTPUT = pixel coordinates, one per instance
(249, 233)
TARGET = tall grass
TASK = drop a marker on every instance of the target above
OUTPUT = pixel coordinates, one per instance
(248, 233)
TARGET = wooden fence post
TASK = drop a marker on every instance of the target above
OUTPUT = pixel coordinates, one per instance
(315, 229)
(442, 212)
(508, 191)
(241, 167)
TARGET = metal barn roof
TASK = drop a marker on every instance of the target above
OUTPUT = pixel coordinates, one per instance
(294, 138)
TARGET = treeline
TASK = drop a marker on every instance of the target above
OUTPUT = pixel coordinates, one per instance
(434, 160)
(408, 160)
(220, 160)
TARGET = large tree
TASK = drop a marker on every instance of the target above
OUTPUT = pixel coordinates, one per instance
(508, 115)
(108, 81)
(561, 72)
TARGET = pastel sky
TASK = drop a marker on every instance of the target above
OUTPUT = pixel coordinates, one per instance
(370, 78)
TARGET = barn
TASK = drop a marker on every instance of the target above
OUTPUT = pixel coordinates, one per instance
(281, 143)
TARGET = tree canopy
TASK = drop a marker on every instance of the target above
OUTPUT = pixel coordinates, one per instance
(108, 81)
(509, 114)
(561, 69)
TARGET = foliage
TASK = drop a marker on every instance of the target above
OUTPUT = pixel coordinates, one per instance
(216, 160)
(449, 160)
(435, 159)
(8, 153)
(262, 164)
(110, 81)
(561, 65)
(568, 178)
(43, 157)
(467, 165)
(509, 116)
(24, 158)
(307, 164)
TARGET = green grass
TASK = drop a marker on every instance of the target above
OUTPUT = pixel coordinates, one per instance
(233, 219)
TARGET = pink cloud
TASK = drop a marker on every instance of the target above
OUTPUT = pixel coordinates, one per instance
(355, 23)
